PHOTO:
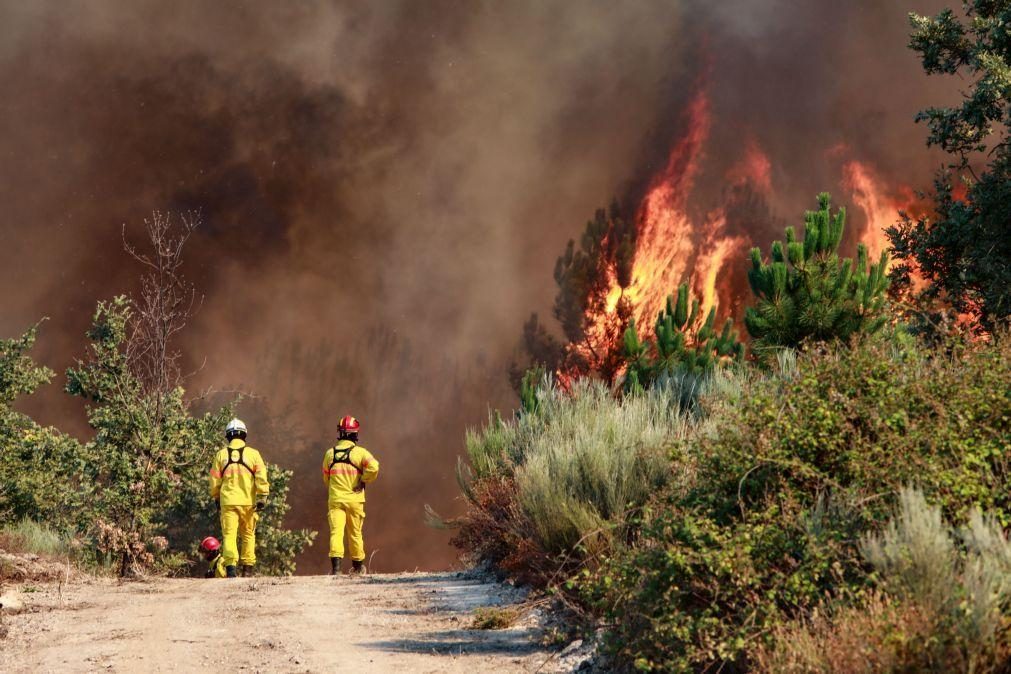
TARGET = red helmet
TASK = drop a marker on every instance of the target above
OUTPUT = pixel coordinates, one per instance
(210, 544)
(349, 425)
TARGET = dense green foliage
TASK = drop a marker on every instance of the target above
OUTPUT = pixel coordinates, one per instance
(684, 343)
(943, 605)
(150, 456)
(786, 479)
(38, 466)
(965, 248)
(806, 292)
(136, 495)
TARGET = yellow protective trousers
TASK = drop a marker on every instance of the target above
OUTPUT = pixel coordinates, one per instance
(238, 522)
(353, 515)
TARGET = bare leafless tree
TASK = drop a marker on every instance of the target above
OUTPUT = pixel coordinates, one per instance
(160, 312)
(165, 303)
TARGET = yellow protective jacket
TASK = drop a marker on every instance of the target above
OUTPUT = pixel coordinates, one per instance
(346, 479)
(238, 475)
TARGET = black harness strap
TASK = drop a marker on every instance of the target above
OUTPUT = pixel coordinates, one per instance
(343, 456)
(240, 462)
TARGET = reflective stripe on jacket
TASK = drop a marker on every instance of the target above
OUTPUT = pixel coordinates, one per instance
(237, 484)
(344, 481)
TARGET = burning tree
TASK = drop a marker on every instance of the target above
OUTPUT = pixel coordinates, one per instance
(806, 292)
(632, 256)
(591, 313)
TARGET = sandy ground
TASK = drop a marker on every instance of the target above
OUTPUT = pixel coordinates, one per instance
(381, 623)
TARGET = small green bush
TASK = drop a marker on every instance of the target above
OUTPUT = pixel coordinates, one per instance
(807, 292)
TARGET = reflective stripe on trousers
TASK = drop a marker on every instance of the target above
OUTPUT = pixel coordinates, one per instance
(238, 522)
(352, 515)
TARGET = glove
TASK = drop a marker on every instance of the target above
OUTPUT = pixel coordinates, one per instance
(260, 505)
(217, 505)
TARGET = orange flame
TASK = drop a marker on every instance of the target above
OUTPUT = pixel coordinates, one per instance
(671, 248)
(665, 233)
(668, 248)
(880, 210)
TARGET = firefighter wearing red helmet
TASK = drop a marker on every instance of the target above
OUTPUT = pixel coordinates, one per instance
(210, 548)
(347, 468)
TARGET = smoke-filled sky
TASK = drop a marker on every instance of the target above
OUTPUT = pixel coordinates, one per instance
(385, 186)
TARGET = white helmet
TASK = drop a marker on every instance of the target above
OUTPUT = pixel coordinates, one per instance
(235, 428)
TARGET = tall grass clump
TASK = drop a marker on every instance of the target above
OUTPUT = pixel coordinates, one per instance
(594, 461)
(564, 479)
(30, 537)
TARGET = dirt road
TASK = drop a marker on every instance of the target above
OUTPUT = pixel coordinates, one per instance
(381, 623)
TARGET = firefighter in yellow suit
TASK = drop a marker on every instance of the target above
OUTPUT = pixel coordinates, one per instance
(210, 548)
(239, 485)
(347, 468)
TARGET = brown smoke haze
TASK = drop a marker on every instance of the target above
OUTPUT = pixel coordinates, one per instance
(385, 187)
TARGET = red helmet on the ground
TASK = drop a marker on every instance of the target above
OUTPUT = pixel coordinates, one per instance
(210, 544)
(349, 425)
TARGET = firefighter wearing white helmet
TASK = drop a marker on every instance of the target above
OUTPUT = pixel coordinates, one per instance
(240, 487)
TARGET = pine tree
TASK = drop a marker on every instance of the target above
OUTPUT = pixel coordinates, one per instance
(682, 343)
(806, 292)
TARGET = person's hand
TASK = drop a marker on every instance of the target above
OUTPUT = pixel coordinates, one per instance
(217, 505)
(260, 505)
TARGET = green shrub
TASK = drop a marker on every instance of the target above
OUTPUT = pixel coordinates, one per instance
(944, 606)
(595, 459)
(146, 466)
(788, 477)
(30, 487)
(919, 560)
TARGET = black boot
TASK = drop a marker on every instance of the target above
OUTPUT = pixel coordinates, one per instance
(357, 566)
(335, 566)
(230, 572)
(247, 571)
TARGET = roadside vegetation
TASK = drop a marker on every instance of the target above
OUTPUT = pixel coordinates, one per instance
(835, 501)
(133, 497)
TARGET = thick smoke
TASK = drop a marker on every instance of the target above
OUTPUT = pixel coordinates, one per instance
(385, 186)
